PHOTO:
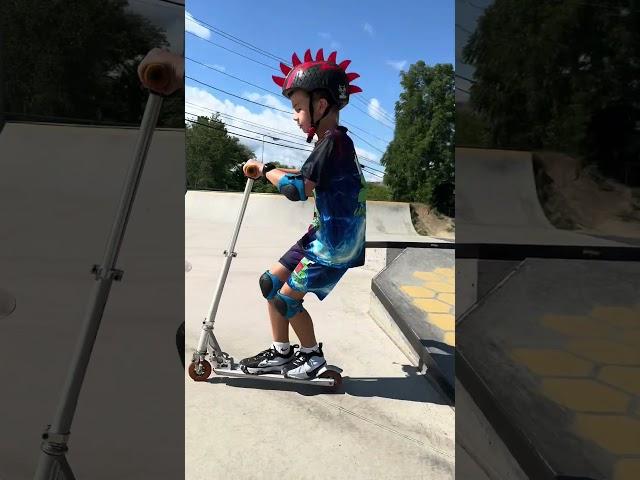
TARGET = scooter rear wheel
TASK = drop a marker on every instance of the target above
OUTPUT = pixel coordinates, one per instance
(337, 378)
(201, 372)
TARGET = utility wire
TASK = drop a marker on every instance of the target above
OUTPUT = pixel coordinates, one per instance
(233, 51)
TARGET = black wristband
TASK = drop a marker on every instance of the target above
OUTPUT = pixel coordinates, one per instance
(267, 168)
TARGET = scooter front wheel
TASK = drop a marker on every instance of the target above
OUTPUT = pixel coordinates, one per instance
(200, 371)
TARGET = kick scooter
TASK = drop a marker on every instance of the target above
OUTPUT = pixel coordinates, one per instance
(220, 362)
(53, 464)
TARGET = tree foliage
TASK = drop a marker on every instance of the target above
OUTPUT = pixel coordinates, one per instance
(559, 75)
(78, 60)
(419, 161)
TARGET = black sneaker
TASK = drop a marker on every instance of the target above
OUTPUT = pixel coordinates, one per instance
(306, 365)
(267, 361)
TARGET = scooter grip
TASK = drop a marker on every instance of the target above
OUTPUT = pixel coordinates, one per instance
(156, 76)
(251, 170)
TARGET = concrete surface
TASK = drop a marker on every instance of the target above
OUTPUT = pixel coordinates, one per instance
(389, 422)
(417, 291)
(59, 187)
(551, 355)
(497, 202)
(387, 222)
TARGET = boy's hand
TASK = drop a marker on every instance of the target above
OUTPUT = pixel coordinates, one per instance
(252, 169)
(162, 71)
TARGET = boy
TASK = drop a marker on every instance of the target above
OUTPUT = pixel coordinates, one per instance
(334, 242)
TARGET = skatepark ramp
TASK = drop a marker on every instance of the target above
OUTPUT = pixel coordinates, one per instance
(388, 223)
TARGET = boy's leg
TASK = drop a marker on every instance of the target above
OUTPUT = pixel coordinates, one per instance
(279, 324)
(301, 323)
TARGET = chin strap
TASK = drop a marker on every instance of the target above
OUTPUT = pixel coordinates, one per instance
(314, 125)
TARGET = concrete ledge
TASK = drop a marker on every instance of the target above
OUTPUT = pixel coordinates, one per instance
(408, 326)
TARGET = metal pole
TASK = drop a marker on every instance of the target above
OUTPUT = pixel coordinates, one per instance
(54, 443)
(262, 157)
(229, 253)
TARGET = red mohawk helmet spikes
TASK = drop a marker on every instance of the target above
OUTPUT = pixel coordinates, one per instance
(344, 64)
(307, 56)
(284, 68)
(318, 74)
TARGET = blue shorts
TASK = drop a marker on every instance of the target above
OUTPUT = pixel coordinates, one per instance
(309, 276)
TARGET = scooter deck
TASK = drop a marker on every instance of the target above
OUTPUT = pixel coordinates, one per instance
(227, 372)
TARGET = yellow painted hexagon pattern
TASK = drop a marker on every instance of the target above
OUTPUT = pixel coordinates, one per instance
(595, 373)
(436, 297)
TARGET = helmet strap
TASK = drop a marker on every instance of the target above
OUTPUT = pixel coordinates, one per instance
(314, 124)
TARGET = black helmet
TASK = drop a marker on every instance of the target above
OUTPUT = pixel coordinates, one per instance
(318, 74)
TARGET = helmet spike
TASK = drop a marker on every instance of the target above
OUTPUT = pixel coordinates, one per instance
(307, 56)
(320, 56)
(279, 80)
(344, 64)
(332, 57)
(354, 89)
(284, 68)
(295, 60)
(352, 76)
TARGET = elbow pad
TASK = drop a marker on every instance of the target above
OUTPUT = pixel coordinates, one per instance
(292, 187)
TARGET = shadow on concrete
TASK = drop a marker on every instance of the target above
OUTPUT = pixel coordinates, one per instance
(415, 387)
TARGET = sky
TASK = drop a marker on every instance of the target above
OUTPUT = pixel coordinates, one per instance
(381, 38)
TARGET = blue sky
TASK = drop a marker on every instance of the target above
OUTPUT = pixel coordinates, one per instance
(380, 37)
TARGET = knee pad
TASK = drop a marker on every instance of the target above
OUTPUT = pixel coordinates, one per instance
(292, 187)
(287, 307)
(269, 284)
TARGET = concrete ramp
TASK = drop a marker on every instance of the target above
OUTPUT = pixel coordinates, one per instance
(388, 223)
(497, 202)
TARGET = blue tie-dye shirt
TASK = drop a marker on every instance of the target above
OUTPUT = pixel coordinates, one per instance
(338, 230)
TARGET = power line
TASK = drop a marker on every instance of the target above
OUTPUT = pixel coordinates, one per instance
(225, 127)
(237, 96)
(465, 78)
(244, 43)
(368, 115)
(238, 119)
(275, 57)
(285, 140)
(372, 146)
(368, 103)
(253, 131)
(464, 29)
(364, 131)
(232, 76)
(233, 51)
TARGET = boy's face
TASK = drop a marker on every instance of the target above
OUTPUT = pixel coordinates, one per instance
(301, 115)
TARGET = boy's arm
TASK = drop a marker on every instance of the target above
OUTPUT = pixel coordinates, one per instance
(276, 174)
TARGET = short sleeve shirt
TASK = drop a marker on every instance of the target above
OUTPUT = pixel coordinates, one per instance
(339, 226)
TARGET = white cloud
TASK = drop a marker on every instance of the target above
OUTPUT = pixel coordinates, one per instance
(215, 66)
(263, 118)
(397, 64)
(266, 118)
(376, 111)
(191, 25)
(367, 27)
(328, 37)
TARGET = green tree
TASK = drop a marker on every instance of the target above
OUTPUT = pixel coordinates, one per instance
(419, 162)
(214, 159)
(559, 75)
(78, 60)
